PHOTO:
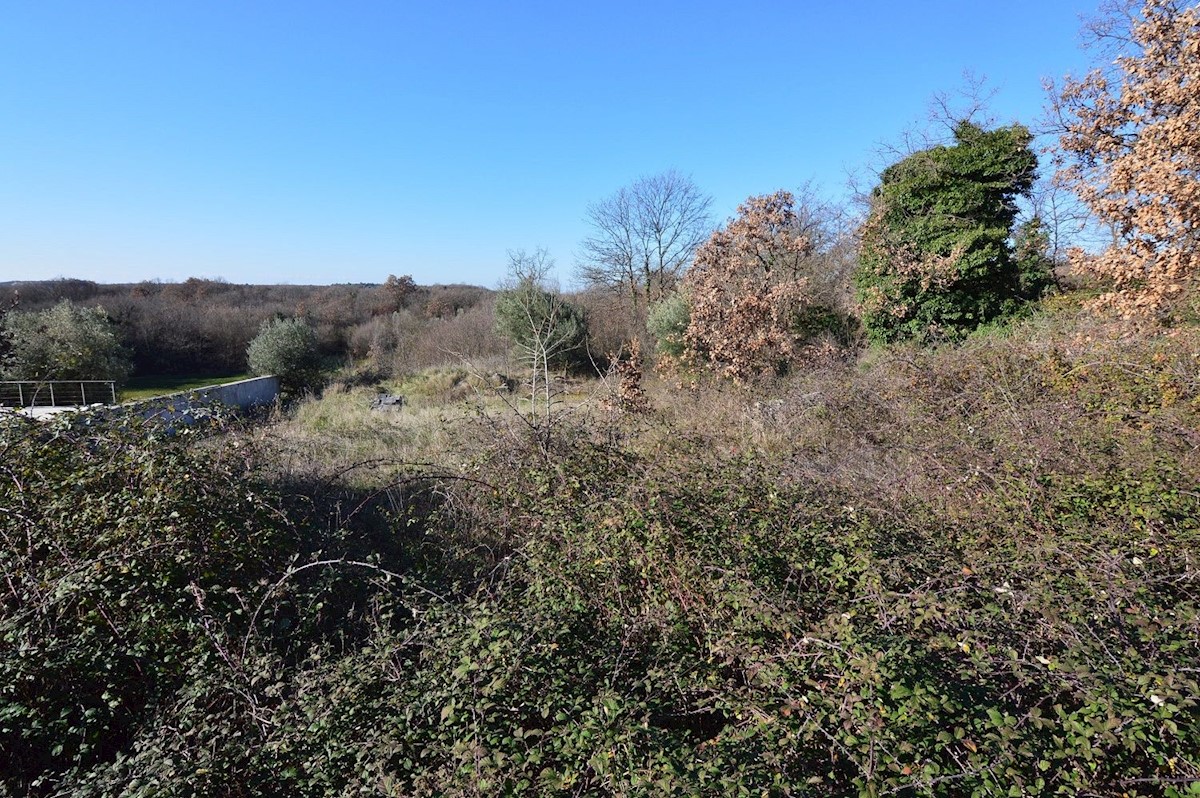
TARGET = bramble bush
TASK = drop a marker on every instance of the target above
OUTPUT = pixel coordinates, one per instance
(660, 617)
(127, 560)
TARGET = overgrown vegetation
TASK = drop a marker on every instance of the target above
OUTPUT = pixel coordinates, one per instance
(922, 568)
(203, 327)
(962, 571)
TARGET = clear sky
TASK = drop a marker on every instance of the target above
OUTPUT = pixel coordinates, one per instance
(326, 142)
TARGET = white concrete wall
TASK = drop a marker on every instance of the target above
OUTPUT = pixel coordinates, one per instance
(185, 405)
(244, 395)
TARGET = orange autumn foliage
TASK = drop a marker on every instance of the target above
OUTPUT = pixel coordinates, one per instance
(1130, 138)
(747, 287)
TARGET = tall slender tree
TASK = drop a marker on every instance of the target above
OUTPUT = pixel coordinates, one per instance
(546, 331)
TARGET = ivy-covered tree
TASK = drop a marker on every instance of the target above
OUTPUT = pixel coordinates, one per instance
(63, 342)
(1131, 148)
(936, 253)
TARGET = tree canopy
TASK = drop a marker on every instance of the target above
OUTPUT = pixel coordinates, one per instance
(645, 234)
(1131, 145)
(63, 342)
(935, 249)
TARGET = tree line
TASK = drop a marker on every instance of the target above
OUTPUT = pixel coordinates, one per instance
(954, 236)
(205, 327)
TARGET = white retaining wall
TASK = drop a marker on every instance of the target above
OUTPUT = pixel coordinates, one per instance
(244, 395)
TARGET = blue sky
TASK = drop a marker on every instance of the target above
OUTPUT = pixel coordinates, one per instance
(308, 142)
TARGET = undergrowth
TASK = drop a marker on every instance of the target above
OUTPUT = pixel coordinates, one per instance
(964, 571)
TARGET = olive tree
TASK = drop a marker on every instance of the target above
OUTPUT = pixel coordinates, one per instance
(286, 348)
(667, 323)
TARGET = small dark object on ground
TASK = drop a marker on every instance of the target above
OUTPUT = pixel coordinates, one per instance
(387, 401)
(503, 382)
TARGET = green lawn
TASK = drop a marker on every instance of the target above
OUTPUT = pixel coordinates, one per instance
(150, 386)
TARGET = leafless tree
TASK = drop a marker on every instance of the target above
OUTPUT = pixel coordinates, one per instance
(645, 236)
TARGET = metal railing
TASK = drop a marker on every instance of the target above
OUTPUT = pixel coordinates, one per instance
(57, 393)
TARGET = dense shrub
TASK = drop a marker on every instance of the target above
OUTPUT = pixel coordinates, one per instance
(129, 559)
(746, 287)
(405, 342)
(714, 631)
(286, 348)
(162, 612)
(64, 342)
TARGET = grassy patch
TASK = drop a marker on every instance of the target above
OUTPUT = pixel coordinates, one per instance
(445, 410)
(149, 387)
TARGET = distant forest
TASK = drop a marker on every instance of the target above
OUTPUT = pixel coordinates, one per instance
(203, 326)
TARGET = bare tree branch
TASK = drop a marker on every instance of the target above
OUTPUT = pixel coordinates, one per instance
(645, 235)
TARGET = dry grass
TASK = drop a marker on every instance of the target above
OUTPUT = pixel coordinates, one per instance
(446, 410)
(952, 429)
(340, 431)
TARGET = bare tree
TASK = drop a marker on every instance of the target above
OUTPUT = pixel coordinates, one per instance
(645, 236)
